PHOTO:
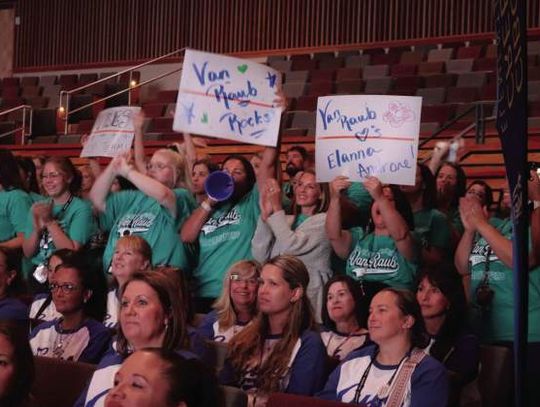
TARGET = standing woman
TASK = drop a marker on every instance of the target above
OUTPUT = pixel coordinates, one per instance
(386, 252)
(132, 254)
(431, 227)
(451, 182)
(344, 317)
(154, 211)
(279, 351)
(200, 171)
(62, 222)
(237, 305)
(395, 371)
(14, 203)
(301, 234)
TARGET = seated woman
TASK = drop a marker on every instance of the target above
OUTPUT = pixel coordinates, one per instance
(443, 305)
(63, 222)
(132, 254)
(301, 234)
(431, 227)
(11, 285)
(151, 314)
(236, 306)
(16, 366)
(387, 252)
(344, 317)
(76, 335)
(395, 371)
(156, 377)
(279, 351)
(42, 308)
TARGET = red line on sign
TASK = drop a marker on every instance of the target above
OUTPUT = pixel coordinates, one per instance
(251, 102)
(354, 137)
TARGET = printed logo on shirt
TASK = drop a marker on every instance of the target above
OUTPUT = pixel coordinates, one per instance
(230, 218)
(135, 223)
(479, 253)
(365, 262)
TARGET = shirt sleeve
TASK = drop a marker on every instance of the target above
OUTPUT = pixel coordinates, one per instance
(100, 338)
(82, 225)
(18, 210)
(262, 241)
(185, 204)
(308, 368)
(429, 384)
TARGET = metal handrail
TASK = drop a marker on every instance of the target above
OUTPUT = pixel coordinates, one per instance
(23, 127)
(462, 133)
(63, 105)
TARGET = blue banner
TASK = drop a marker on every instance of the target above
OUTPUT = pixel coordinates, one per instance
(511, 22)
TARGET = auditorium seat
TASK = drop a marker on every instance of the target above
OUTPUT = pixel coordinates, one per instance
(440, 55)
(533, 48)
(533, 73)
(58, 383)
(112, 79)
(375, 71)
(10, 82)
(485, 64)
(29, 81)
(431, 67)
(491, 51)
(30, 91)
(303, 64)
(303, 120)
(459, 65)
(38, 102)
(470, 52)
(412, 57)
(154, 109)
(320, 88)
(294, 89)
(127, 76)
(461, 95)
(87, 78)
(402, 70)
(306, 103)
(297, 76)
(333, 63)
(282, 66)
(292, 400)
(167, 96)
(378, 86)
(68, 81)
(48, 80)
(440, 80)
(274, 58)
(408, 82)
(44, 122)
(162, 124)
(471, 80)
(385, 59)
(437, 113)
(347, 53)
(323, 75)
(348, 73)
(357, 61)
(10, 91)
(294, 132)
(350, 86)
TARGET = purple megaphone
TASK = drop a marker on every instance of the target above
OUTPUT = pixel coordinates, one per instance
(219, 186)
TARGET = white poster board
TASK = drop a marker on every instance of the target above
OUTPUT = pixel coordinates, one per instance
(228, 98)
(112, 133)
(368, 135)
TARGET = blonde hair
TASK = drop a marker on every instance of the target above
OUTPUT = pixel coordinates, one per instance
(226, 314)
(178, 161)
(246, 348)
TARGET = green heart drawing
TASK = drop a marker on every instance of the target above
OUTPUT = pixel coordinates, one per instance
(204, 118)
(242, 68)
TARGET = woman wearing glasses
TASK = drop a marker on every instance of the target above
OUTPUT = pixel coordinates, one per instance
(62, 222)
(76, 335)
(236, 306)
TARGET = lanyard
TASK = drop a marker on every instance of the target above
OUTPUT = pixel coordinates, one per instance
(363, 379)
(45, 235)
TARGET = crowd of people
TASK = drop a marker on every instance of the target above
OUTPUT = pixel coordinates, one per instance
(358, 292)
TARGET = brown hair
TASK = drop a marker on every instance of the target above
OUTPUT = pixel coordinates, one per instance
(247, 346)
(166, 289)
(66, 166)
(324, 199)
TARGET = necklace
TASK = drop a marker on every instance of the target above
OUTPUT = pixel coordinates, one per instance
(61, 342)
(385, 389)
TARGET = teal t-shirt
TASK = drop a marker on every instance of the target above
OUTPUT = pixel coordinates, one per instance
(496, 323)
(224, 239)
(36, 197)
(135, 213)
(77, 222)
(14, 209)
(431, 229)
(376, 258)
(455, 220)
(360, 196)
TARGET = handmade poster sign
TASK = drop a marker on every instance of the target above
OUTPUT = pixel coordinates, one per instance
(368, 135)
(112, 133)
(228, 98)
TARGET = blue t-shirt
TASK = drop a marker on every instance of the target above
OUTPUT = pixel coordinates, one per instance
(87, 343)
(13, 309)
(209, 329)
(428, 385)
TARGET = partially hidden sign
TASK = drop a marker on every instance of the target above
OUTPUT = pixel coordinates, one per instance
(112, 134)
(229, 98)
(368, 135)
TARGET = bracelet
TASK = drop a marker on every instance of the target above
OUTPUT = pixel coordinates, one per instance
(206, 206)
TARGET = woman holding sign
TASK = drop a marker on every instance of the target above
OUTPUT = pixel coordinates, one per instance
(386, 252)
(154, 211)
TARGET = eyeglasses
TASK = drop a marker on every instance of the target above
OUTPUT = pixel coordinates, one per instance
(66, 287)
(249, 280)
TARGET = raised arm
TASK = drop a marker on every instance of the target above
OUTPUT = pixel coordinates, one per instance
(138, 145)
(193, 224)
(340, 239)
(102, 185)
(395, 224)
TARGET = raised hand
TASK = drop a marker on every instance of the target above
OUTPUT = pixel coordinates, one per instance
(374, 187)
(338, 184)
